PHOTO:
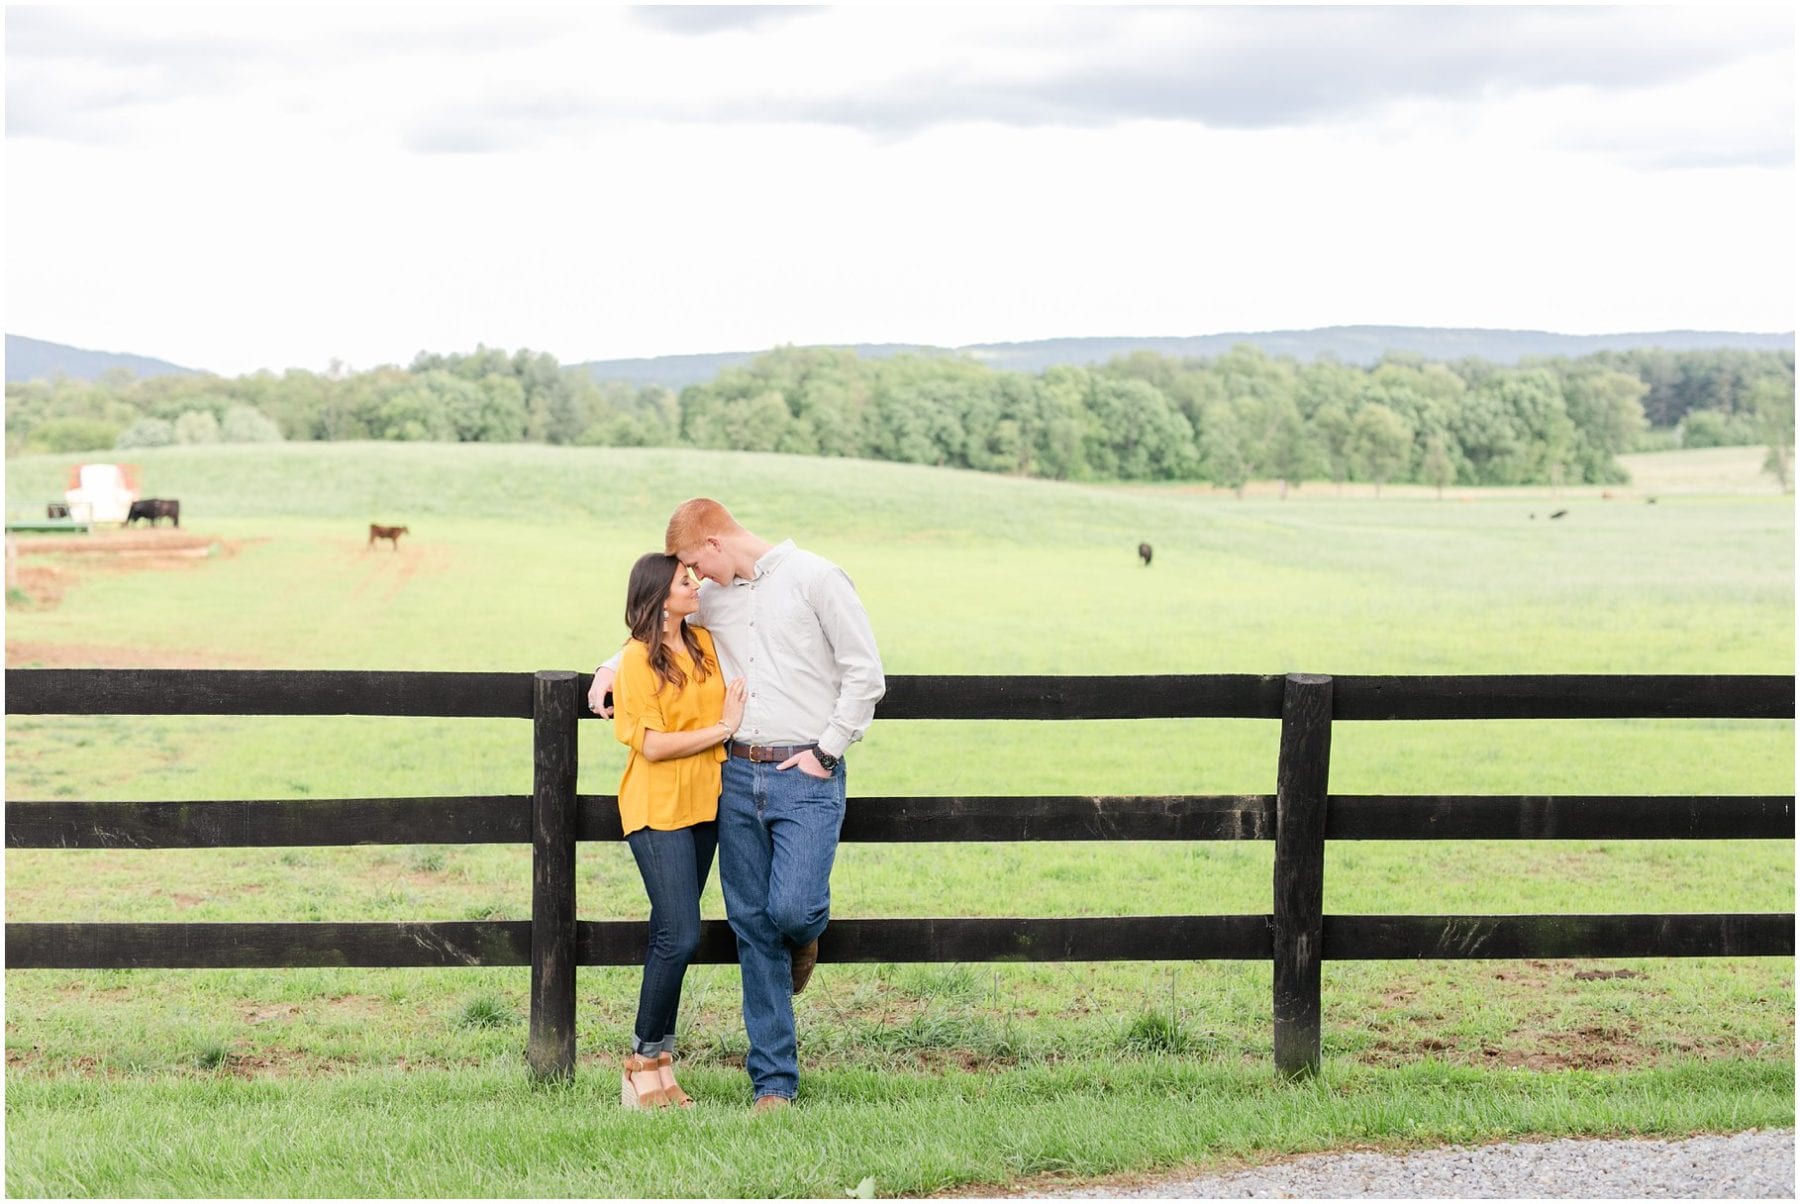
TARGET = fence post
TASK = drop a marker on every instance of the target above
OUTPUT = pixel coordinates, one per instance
(1300, 785)
(551, 1052)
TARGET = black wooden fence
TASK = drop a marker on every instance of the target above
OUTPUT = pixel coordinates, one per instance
(1296, 936)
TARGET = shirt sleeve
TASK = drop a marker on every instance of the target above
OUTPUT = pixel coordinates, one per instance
(861, 683)
(636, 705)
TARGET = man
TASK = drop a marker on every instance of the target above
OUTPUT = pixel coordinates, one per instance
(790, 624)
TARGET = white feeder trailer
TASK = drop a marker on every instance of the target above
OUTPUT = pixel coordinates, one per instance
(101, 493)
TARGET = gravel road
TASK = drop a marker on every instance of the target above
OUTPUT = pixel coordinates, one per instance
(1754, 1165)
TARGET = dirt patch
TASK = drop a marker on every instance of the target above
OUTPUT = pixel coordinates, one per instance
(160, 542)
(1532, 973)
(45, 569)
(1588, 1049)
(33, 1058)
(1536, 1042)
(1596, 1047)
(262, 1063)
(42, 584)
(39, 654)
(385, 573)
(81, 990)
(365, 1005)
(281, 1062)
(971, 1061)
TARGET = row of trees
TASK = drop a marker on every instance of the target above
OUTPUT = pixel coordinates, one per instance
(1239, 416)
(1727, 382)
(1226, 419)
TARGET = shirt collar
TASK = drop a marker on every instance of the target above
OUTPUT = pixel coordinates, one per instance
(767, 562)
(772, 558)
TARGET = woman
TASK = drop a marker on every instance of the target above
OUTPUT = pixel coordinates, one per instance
(672, 706)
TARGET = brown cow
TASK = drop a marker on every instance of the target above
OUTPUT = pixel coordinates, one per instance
(1144, 554)
(391, 534)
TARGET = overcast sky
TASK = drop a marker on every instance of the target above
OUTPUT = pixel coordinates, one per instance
(235, 189)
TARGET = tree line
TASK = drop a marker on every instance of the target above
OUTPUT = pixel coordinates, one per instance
(1226, 419)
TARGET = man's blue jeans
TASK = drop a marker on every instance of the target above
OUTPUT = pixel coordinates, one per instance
(778, 835)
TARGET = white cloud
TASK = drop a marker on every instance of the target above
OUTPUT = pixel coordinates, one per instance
(238, 189)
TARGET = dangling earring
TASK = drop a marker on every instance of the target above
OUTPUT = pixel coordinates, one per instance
(665, 614)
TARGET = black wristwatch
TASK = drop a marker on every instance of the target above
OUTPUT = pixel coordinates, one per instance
(827, 762)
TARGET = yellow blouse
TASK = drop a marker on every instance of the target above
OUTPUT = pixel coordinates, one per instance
(682, 791)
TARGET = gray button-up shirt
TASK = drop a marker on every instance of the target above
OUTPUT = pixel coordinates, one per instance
(799, 637)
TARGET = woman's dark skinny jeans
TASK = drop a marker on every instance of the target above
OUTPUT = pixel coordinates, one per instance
(674, 865)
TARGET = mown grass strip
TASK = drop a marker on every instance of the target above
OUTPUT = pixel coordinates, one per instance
(484, 1132)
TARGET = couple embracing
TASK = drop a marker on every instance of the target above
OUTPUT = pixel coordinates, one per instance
(750, 670)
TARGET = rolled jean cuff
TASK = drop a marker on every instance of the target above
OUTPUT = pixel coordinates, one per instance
(650, 1049)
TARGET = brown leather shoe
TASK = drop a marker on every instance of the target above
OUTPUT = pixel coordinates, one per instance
(804, 959)
(771, 1103)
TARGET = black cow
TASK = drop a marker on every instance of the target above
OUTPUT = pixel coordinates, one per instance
(1144, 554)
(155, 508)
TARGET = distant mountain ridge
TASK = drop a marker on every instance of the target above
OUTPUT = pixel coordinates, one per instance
(35, 359)
(1359, 345)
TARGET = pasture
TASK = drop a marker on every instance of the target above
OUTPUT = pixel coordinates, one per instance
(923, 1077)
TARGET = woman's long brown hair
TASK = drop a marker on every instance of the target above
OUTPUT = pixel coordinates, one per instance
(645, 596)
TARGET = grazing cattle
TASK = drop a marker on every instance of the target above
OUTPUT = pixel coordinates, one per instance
(154, 508)
(1559, 514)
(56, 510)
(391, 534)
(1144, 554)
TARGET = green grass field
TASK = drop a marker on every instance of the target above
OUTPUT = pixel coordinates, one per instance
(924, 1077)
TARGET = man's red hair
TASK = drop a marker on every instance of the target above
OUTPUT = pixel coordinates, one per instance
(694, 520)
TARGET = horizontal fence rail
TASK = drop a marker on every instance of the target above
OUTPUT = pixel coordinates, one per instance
(1566, 817)
(1371, 938)
(1221, 696)
(961, 939)
(621, 942)
(268, 945)
(267, 692)
(1300, 818)
(261, 823)
(506, 819)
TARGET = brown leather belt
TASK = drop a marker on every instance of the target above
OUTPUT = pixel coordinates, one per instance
(767, 752)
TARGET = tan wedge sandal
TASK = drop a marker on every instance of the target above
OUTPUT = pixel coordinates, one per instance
(640, 1086)
(672, 1092)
